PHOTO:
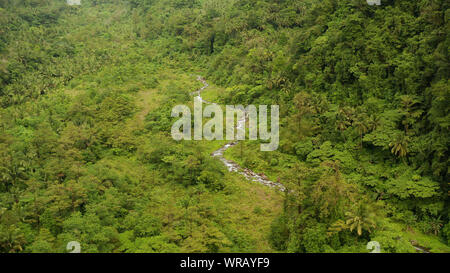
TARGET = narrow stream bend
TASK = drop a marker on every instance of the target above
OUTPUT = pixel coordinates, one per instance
(231, 165)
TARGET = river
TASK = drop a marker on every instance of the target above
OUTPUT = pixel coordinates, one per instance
(231, 165)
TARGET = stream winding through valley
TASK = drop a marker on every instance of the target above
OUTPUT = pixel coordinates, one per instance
(231, 165)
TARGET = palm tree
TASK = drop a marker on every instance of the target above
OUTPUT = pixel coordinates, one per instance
(436, 225)
(400, 146)
(361, 219)
(342, 124)
(344, 118)
(361, 125)
(408, 101)
(409, 104)
(374, 122)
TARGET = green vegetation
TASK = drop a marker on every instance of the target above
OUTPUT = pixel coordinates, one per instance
(86, 153)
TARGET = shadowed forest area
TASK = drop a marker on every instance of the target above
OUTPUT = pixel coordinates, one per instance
(86, 152)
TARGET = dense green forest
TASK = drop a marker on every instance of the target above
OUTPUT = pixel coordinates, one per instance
(86, 152)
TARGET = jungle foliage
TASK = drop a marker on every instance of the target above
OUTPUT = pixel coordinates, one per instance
(85, 146)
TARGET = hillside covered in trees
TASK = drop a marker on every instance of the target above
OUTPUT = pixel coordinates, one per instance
(86, 153)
